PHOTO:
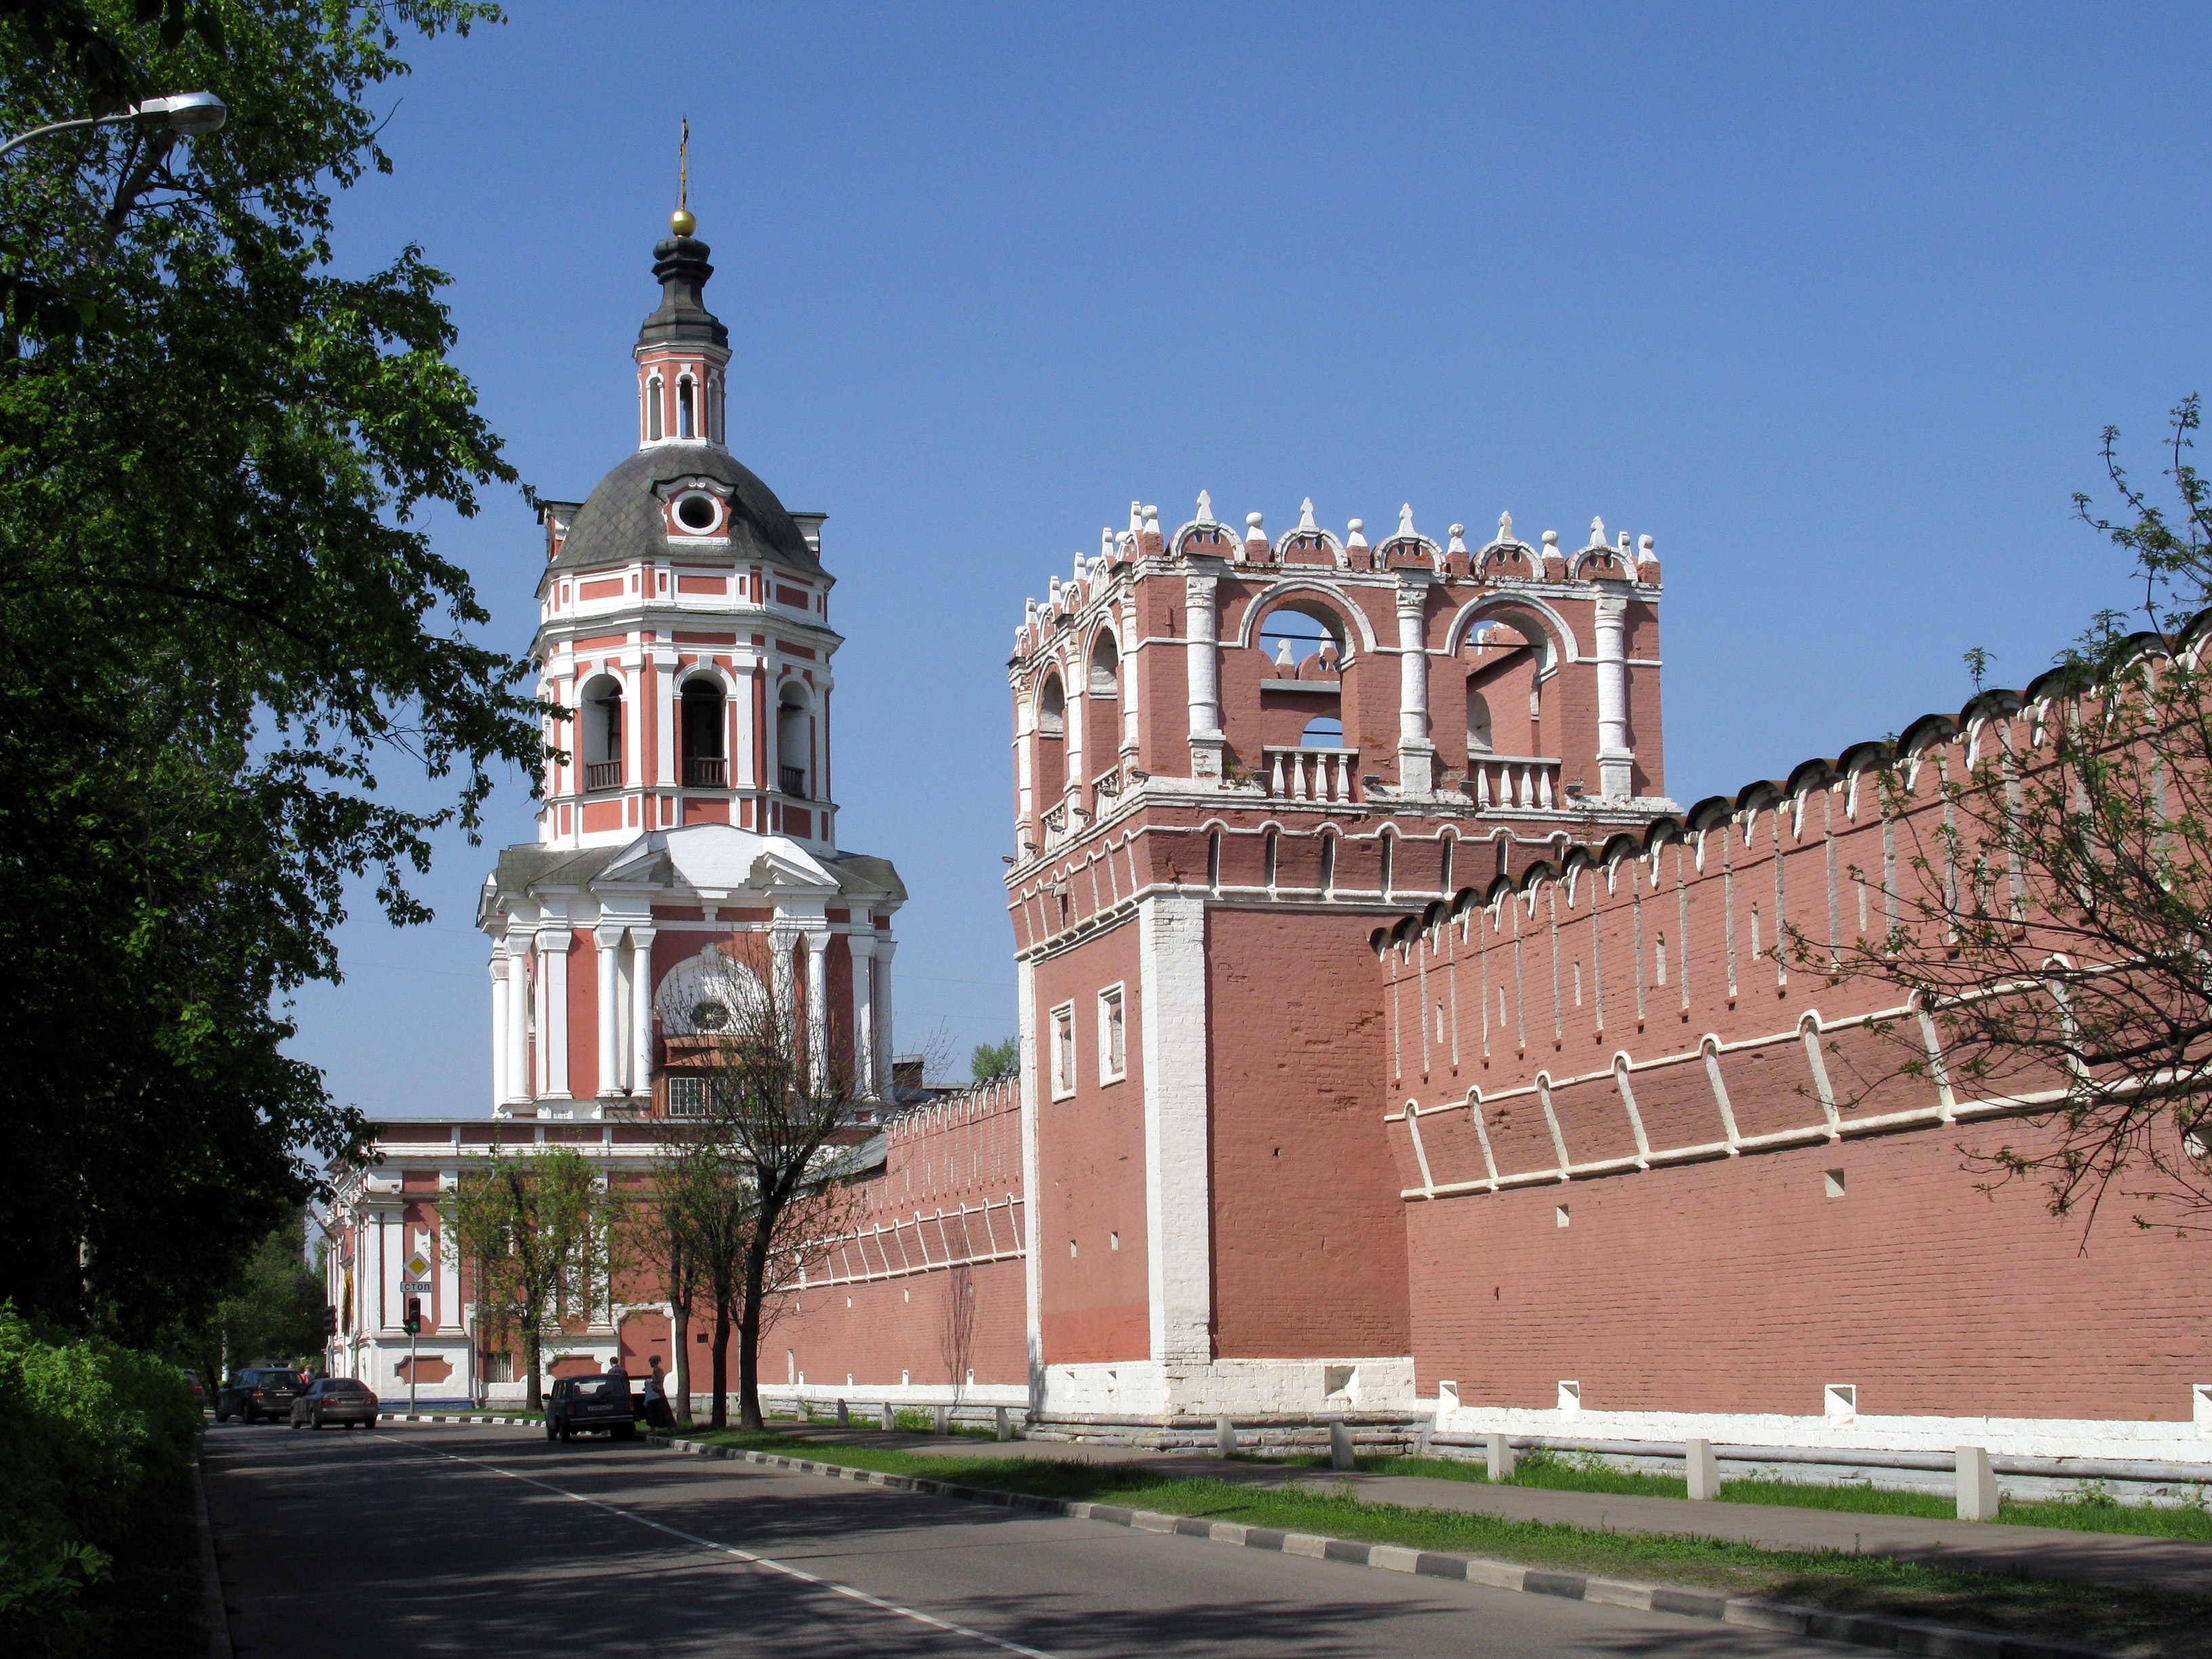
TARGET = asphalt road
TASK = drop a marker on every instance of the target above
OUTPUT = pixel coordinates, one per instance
(429, 1540)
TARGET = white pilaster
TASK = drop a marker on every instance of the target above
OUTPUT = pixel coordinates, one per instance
(499, 1019)
(1202, 653)
(606, 942)
(553, 969)
(1615, 759)
(884, 950)
(641, 1011)
(817, 1008)
(1128, 671)
(665, 716)
(1417, 755)
(1032, 1046)
(1024, 770)
(1178, 1203)
(519, 949)
(863, 943)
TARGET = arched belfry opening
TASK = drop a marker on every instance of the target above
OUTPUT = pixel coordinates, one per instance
(794, 742)
(705, 765)
(600, 734)
(1052, 740)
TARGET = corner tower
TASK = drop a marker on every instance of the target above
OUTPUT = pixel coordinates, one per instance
(1238, 762)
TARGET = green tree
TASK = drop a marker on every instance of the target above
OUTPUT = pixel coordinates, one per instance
(993, 1060)
(222, 625)
(275, 1312)
(535, 1235)
(2056, 912)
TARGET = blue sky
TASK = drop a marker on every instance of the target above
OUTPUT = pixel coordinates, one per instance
(1833, 301)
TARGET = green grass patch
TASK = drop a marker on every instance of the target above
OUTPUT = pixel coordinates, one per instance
(2119, 1618)
(2090, 1508)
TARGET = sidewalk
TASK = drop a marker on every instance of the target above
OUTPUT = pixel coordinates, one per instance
(2095, 1557)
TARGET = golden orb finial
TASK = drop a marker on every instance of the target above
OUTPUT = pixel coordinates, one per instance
(681, 221)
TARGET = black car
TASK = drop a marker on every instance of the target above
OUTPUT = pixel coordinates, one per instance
(338, 1400)
(259, 1392)
(585, 1405)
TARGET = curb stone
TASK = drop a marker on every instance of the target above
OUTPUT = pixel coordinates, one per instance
(216, 1615)
(1858, 1629)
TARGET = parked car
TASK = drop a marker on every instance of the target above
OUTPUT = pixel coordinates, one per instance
(338, 1400)
(200, 1389)
(259, 1392)
(586, 1405)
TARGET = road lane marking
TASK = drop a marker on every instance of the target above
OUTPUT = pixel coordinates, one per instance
(784, 1567)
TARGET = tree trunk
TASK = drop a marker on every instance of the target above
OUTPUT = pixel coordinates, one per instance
(679, 1330)
(532, 1352)
(719, 1413)
(749, 1327)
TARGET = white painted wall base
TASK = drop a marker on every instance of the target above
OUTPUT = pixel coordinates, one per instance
(1232, 1387)
(2004, 1437)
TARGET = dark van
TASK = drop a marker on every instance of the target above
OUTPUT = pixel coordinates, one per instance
(587, 1405)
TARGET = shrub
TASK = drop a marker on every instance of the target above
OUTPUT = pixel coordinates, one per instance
(87, 1425)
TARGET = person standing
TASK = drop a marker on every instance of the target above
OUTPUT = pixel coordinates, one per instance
(657, 1415)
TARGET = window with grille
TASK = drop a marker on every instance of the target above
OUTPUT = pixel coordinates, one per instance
(686, 1096)
(1113, 1034)
(498, 1368)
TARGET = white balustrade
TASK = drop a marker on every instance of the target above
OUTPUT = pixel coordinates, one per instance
(1505, 782)
(1310, 774)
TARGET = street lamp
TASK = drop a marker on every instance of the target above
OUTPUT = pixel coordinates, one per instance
(188, 114)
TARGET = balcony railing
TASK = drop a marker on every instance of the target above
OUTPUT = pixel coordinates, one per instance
(1303, 774)
(794, 780)
(706, 772)
(1505, 781)
(603, 775)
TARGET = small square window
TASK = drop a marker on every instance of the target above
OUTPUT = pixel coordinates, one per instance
(1559, 1216)
(1832, 1182)
(1112, 1035)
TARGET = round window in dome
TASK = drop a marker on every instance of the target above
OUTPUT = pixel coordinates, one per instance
(698, 512)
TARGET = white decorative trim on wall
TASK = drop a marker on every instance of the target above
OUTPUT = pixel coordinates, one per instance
(1178, 1201)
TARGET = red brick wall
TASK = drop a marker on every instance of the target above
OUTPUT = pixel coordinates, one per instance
(1309, 1250)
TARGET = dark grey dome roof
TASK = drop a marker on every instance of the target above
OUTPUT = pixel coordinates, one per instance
(622, 521)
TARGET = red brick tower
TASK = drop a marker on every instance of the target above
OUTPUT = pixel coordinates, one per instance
(1232, 756)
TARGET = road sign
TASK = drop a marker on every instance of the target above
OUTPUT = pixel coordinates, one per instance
(414, 1287)
(418, 1266)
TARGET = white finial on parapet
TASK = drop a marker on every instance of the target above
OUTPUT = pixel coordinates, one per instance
(1621, 546)
(1152, 521)
(1029, 612)
(1082, 568)
(1550, 544)
(1505, 526)
(1305, 514)
(1458, 539)
(1597, 533)
(1252, 532)
(1283, 658)
(1136, 517)
(1405, 520)
(1643, 553)
(1358, 536)
(1205, 508)
(1052, 595)
(1106, 542)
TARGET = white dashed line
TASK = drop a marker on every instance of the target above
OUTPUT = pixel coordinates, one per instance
(746, 1556)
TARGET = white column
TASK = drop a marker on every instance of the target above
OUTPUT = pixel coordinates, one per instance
(641, 1011)
(1615, 759)
(817, 1006)
(1025, 771)
(553, 969)
(863, 942)
(518, 1013)
(1178, 1206)
(1129, 673)
(1417, 755)
(499, 1019)
(607, 941)
(634, 695)
(1202, 653)
(882, 976)
(1032, 1048)
(663, 680)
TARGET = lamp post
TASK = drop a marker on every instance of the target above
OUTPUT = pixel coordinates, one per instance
(188, 114)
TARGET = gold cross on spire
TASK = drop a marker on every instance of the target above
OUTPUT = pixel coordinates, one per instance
(681, 221)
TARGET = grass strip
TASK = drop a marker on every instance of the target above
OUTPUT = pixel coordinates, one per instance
(2117, 1619)
(2092, 1509)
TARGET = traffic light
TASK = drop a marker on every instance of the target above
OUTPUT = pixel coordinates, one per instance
(330, 1319)
(413, 1324)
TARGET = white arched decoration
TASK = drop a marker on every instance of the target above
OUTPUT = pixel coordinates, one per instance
(1277, 592)
(690, 994)
(1561, 647)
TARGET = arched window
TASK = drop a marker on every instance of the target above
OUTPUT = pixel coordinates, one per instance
(599, 733)
(652, 417)
(1477, 722)
(794, 742)
(1105, 667)
(685, 425)
(1322, 732)
(1052, 745)
(1327, 866)
(1294, 630)
(705, 767)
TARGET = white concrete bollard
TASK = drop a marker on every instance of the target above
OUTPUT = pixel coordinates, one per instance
(944, 1419)
(1978, 1484)
(1424, 1430)
(1339, 1446)
(890, 1417)
(1498, 1452)
(1703, 1468)
(844, 1417)
(1005, 1429)
(1224, 1436)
